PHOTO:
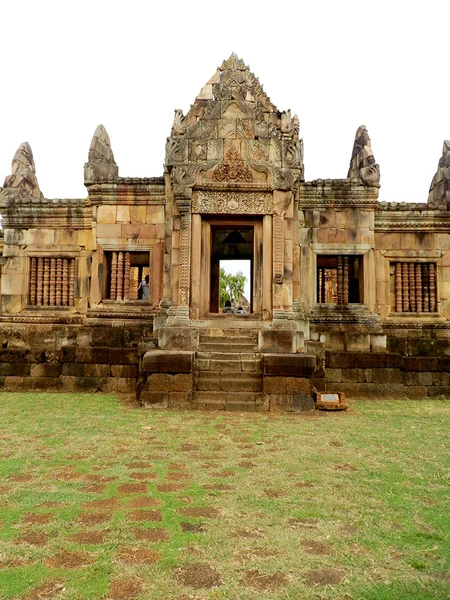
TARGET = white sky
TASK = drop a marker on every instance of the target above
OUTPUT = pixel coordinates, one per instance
(69, 65)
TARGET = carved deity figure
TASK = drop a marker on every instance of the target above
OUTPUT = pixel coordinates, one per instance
(101, 164)
(439, 196)
(23, 172)
(362, 164)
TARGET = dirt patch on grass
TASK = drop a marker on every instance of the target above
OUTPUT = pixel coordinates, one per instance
(34, 538)
(324, 577)
(174, 476)
(107, 503)
(70, 560)
(272, 494)
(137, 555)
(207, 512)
(344, 467)
(176, 466)
(49, 590)
(36, 519)
(304, 484)
(21, 478)
(88, 537)
(152, 535)
(125, 589)
(246, 554)
(139, 465)
(246, 464)
(264, 581)
(222, 474)
(169, 487)
(92, 477)
(198, 575)
(132, 488)
(220, 487)
(143, 502)
(188, 448)
(192, 527)
(247, 533)
(308, 523)
(145, 515)
(94, 518)
(315, 547)
(348, 529)
(143, 475)
(93, 488)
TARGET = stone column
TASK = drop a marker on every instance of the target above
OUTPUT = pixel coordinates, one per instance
(267, 268)
(196, 245)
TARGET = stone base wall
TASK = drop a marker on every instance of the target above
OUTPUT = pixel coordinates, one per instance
(385, 375)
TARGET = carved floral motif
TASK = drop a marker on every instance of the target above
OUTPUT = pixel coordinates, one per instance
(233, 168)
(250, 203)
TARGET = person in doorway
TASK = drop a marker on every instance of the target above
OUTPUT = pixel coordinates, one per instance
(144, 289)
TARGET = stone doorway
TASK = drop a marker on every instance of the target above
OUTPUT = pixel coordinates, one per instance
(230, 239)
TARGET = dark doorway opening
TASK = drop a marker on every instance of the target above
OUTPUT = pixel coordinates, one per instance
(230, 243)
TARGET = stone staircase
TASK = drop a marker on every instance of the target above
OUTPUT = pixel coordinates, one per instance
(227, 370)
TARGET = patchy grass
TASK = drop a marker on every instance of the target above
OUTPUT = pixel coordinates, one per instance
(102, 500)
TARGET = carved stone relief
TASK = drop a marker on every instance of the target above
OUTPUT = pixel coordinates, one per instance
(247, 203)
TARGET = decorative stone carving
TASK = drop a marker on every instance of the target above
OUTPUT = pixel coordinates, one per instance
(176, 151)
(286, 122)
(101, 165)
(23, 173)
(439, 196)
(247, 203)
(178, 125)
(233, 168)
(362, 165)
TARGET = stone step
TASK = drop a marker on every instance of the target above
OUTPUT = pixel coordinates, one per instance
(227, 401)
(227, 355)
(218, 381)
(235, 332)
(237, 348)
(228, 339)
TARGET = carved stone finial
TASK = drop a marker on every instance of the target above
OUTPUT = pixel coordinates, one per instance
(23, 172)
(178, 125)
(286, 121)
(362, 164)
(235, 63)
(439, 196)
(295, 128)
(101, 164)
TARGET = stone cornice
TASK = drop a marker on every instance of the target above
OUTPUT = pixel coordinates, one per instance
(57, 216)
(128, 190)
(326, 193)
(409, 218)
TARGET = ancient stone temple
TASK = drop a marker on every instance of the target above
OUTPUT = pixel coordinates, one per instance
(119, 291)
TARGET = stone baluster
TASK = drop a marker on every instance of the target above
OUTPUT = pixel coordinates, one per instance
(126, 276)
(33, 280)
(113, 290)
(345, 284)
(65, 282)
(321, 286)
(432, 276)
(59, 269)
(419, 287)
(71, 281)
(426, 288)
(52, 281)
(405, 280)
(40, 280)
(119, 294)
(412, 287)
(45, 295)
(398, 287)
(340, 280)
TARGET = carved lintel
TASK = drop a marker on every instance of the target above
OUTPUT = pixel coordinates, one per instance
(250, 203)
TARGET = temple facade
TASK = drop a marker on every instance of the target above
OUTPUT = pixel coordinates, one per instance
(119, 291)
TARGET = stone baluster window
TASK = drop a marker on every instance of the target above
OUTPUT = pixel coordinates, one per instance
(338, 279)
(413, 285)
(52, 281)
(125, 271)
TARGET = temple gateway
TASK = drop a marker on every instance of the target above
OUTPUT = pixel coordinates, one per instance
(347, 294)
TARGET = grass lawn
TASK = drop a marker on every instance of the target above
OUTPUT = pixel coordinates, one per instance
(99, 499)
